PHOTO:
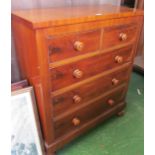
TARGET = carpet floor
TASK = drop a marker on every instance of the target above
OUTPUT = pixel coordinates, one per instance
(118, 135)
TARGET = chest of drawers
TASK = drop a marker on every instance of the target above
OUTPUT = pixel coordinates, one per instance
(79, 60)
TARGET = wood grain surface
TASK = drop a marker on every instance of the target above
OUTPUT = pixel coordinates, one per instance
(39, 18)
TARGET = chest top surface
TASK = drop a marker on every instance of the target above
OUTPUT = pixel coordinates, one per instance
(41, 18)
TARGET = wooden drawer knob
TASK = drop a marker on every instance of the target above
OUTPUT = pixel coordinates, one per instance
(76, 98)
(123, 36)
(111, 102)
(77, 73)
(119, 59)
(78, 45)
(76, 121)
(115, 81)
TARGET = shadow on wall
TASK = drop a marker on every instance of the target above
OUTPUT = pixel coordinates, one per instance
(30, 4)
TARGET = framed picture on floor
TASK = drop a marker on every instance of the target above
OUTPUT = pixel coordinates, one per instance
(26, 137)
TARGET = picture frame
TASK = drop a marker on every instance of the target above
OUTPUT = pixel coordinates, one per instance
(19, 85)
(26, 137)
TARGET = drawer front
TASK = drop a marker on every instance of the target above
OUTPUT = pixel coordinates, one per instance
(73, 121)
(70, 45)
(119, 35)
(88, 91)
(75, 72)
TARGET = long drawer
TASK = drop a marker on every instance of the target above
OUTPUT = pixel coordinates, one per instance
(79, 117)
(75, 72)
(85, 92)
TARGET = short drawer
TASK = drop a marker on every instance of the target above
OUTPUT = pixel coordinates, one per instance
(75, 72)
(119, 35)
(70, 45)
(78, 118)
(86, 92)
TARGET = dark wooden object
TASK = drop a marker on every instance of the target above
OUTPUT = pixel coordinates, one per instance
(139, 59)
(79, 61)
(19, 85)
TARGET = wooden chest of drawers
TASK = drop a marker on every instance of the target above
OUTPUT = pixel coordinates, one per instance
(79, 60)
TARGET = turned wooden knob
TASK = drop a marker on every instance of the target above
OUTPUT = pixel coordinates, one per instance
(123, 36)
(119, 59)
(76, 98)
(78, 45)
(77, 73)
(115, 81)
(76, 121)
(111, 102)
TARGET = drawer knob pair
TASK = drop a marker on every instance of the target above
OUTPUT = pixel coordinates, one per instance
(119, 59)
(78, 45)
(77, 99)
(77, 73)
(76, 121)
(123, 36)
(115, 81)
(111, 102)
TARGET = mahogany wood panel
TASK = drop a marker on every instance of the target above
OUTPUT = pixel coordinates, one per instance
(101, 59)
(64, 46)
(63, 76)
(26, 50)
(45, 111)
(88, 91)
